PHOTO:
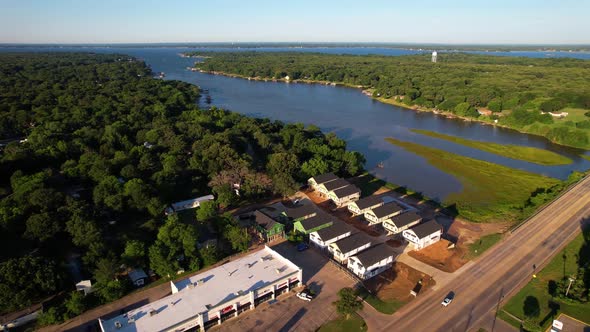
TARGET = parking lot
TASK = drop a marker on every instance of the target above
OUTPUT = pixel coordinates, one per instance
(289, 313)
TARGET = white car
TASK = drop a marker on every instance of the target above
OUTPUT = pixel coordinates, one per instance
(448, 299)
(305, 295)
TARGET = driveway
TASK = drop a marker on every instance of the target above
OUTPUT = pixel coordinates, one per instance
(289, 313)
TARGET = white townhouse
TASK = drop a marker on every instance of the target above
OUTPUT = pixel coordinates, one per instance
(348, 246)
(423, 235)
(365, 204)
(345, 195)
(401, 222)
(315, 181)
(372, 261)
(326, 236)
(382, 213)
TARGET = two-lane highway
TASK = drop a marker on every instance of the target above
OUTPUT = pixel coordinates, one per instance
(483, 286)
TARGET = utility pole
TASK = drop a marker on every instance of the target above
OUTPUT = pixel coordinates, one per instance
(570, 285)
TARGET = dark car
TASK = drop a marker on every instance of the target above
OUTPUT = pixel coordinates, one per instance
(302, 246)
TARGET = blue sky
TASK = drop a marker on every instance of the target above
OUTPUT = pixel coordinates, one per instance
(416, 21)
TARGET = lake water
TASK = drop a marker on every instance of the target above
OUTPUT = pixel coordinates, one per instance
(361, 121)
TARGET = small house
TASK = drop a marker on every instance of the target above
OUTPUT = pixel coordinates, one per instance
(423, 235)
(483, 111)
(138, 277)
(401, 222)
(315, 223)
(382, 213)
(345, 195)
(301, 213)
(85, 286)
(325, 236)
(372, 261)
(365, 204)
(207, 237)
(349, 246)
(315, 181)
(268, 229)
(325, 188)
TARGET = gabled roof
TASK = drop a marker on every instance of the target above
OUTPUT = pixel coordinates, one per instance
(263, 220)
(319, 179)
(368, 202)
(336, 184)
(374, 254)
(301, 211)
(405, 219)
(352, 242)
(316, 221)
(337, 229)
(137, 274)
(347, 191)
(427, 228)
(386, 210)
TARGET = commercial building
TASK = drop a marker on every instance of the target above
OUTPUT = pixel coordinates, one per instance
(213, 296)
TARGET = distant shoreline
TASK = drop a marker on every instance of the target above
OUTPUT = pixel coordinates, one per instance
(366, 91)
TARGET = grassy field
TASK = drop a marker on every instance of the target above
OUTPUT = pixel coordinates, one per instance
(385, 307)
(526, 153)
(484, 243)
(491, 192)
(564, 264)
(341, 324)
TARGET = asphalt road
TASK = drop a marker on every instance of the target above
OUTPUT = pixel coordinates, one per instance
(484, 286)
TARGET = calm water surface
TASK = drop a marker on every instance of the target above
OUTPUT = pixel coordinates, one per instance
(361, 121)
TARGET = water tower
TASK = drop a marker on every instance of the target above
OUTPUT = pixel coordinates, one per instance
(434, 56)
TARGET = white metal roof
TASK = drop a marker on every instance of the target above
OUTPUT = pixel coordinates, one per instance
(215, 287)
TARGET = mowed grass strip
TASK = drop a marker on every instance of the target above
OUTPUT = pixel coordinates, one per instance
(341, 324)
(519, 152)
(386, 307)
(491, 192)
(563, 264)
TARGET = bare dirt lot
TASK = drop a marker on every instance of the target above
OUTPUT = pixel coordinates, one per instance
(397, 282)
(437, 255)
(460, 232)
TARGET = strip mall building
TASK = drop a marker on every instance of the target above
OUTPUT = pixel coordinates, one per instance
(213, 296)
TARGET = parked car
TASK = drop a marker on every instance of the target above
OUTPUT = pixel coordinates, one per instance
(305, 295)
(448, 299)
(302, 246)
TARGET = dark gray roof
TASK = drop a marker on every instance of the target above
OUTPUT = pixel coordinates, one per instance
(405, 219)
(336, 184)
(346, 191)
(368, 202)
(316, 221)
(301, 211)
(263, 220)
(386, 210)
(352, 242)
(319, 179)
(374, 254)
(338, 228)
(426, 228)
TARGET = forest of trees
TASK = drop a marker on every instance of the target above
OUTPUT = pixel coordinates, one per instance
(98, 148)
(459, 83)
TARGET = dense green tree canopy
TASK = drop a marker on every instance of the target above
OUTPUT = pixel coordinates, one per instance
(107, 148)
